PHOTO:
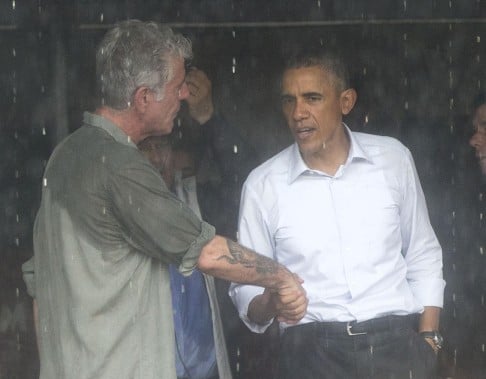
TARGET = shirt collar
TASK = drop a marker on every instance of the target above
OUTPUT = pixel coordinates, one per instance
(298, 166)
(112, 129)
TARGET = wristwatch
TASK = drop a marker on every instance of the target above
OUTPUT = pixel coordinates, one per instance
(435, 336)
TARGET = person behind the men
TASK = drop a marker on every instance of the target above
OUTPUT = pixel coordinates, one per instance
(466, 325)
(478, 140)
(201, 348)
(108, 227)
(346, 212)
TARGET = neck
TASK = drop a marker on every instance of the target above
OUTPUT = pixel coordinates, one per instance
(124, 119)
(332, 155)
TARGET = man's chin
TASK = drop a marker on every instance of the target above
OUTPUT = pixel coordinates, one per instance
(166, 130)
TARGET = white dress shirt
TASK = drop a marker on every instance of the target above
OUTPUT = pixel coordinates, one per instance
(361, 240)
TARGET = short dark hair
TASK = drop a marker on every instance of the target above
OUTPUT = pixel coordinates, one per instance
(329, 60)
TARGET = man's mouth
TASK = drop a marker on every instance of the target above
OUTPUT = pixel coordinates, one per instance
(304, 132)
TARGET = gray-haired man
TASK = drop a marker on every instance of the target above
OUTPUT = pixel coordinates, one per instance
(108, 227)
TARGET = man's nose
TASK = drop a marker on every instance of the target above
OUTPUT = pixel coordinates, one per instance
(300, 111)
(183, 92)
(476, 140)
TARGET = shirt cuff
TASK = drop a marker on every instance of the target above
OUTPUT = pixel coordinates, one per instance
(429, 292)
(242, 295)
(189, 261)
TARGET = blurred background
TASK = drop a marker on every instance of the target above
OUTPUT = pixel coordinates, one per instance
(416, 64)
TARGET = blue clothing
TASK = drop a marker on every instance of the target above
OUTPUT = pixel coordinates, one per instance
(195, 350)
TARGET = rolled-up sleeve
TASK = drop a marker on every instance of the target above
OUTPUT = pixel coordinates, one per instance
(155, 222)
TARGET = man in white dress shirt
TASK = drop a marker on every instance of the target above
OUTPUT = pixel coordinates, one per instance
(346, 212)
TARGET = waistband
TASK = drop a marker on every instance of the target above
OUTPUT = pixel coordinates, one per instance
(353, 328)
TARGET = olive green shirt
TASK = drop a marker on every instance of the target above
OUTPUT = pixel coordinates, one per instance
(106, 229)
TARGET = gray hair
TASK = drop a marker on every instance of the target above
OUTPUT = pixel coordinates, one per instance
(328, 60)
(135, 54)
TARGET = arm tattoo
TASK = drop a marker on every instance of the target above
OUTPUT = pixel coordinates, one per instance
(249, 259)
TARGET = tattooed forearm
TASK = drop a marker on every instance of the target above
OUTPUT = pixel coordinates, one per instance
(249, 259)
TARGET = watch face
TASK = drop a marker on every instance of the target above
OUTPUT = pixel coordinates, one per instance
(438, 339)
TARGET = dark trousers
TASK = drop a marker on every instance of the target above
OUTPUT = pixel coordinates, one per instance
(389, 348)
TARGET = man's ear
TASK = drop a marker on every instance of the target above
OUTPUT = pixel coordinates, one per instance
(348, 99)
(141, 98)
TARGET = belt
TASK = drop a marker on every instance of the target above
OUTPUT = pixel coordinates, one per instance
(353, 328)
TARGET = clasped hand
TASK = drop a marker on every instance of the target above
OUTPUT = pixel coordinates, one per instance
(289, 303)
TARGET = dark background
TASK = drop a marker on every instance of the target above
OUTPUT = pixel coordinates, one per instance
(416, 65)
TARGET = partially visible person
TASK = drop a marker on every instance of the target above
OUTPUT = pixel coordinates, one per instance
(464, 322)
(108, 227)
(201, 349)
(347, 213)
(478, 140)
(218, 145)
